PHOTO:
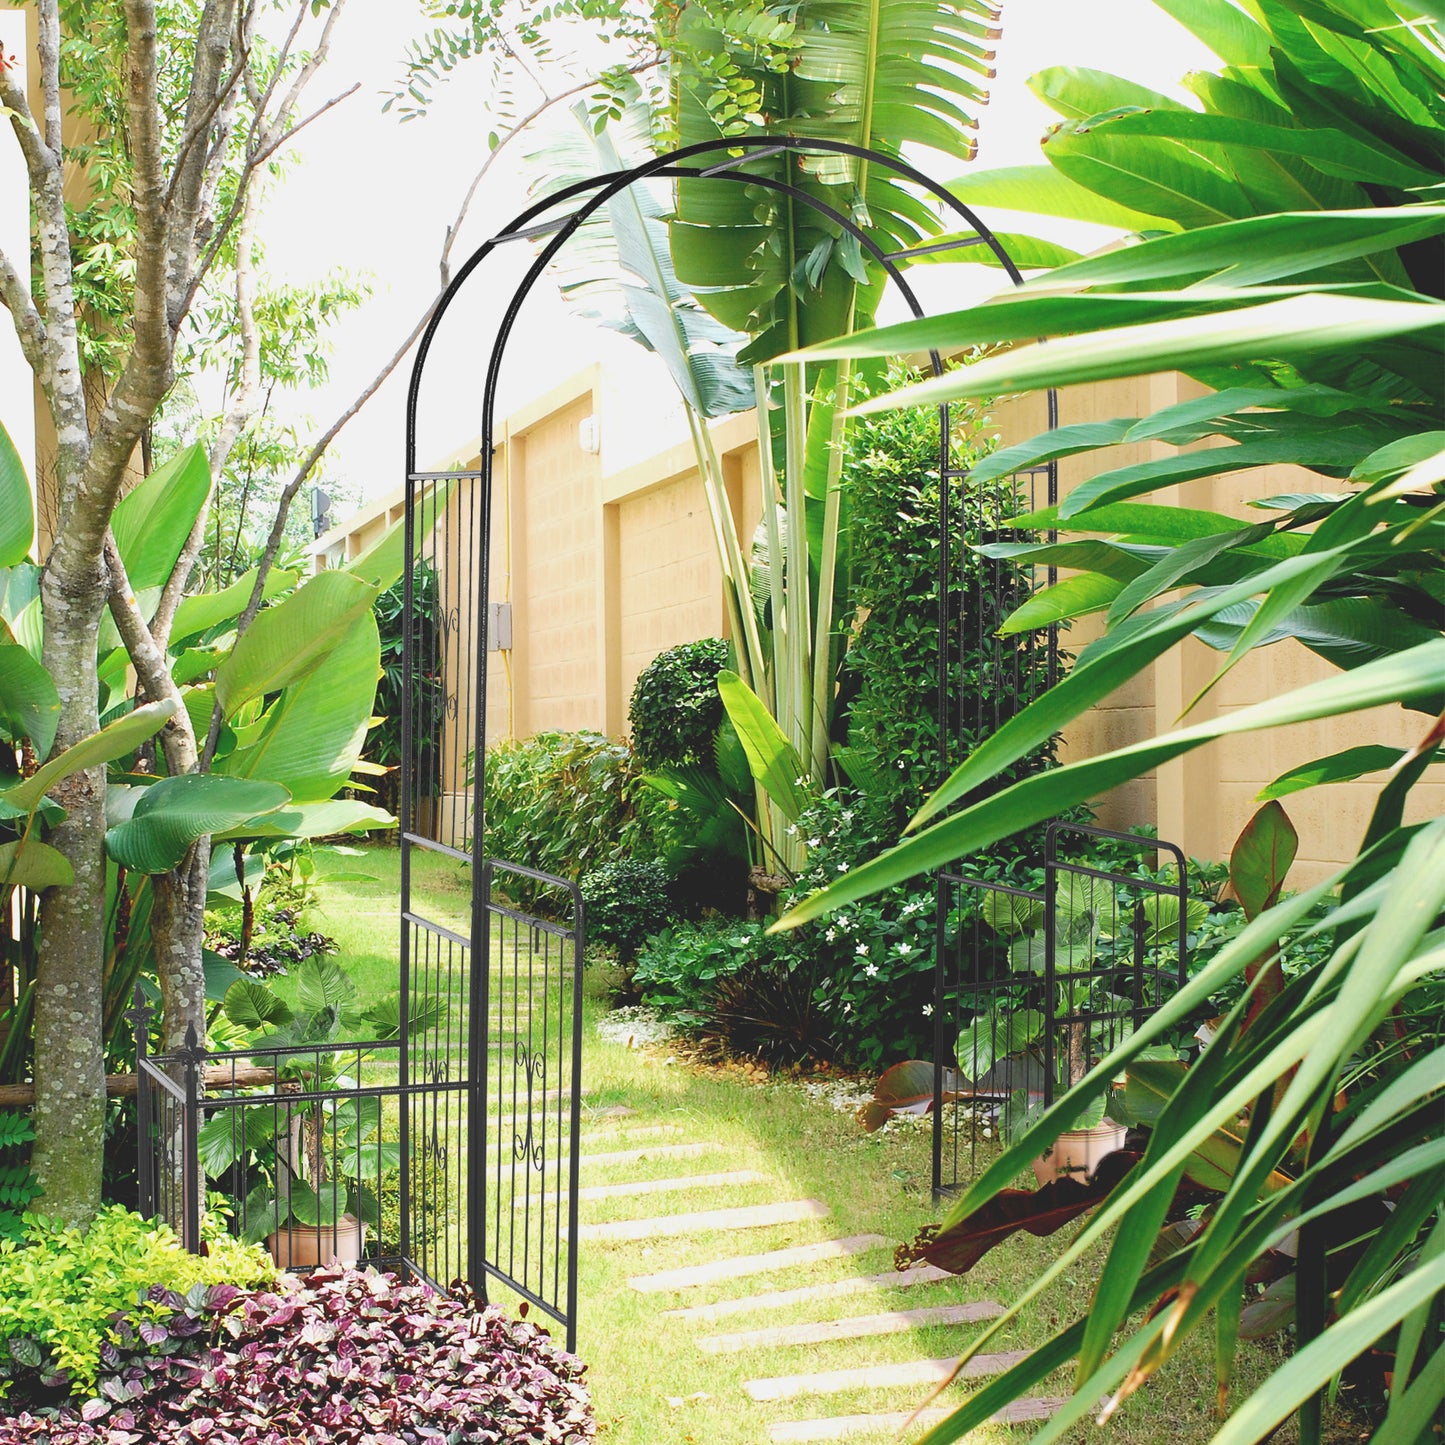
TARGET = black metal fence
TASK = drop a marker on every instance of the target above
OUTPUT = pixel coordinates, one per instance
(1033, 985)
(446, 1152)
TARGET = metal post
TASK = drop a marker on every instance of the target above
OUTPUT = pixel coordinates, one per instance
(140, 1018)
(190, 1144)
(478, 1000)
(575, 1119)
(1051, 943)
(940, 1035)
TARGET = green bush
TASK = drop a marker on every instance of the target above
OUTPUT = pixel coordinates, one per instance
(675, 709)
(891, 678)
(564, 803)
(627, 901)
(60, 1290)
(17, 1184)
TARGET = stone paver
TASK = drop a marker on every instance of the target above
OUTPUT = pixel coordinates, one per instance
(881, 1377)
(854, 1327)
(734, 1178)
(621, 1134)
(779, 1298)
(754, 1216)
(740, 1266)
(839, 1427)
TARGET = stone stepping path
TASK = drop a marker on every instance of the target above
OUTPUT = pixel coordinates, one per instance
(753, 1216)
(839, 1427)
(619, 1135)
(855, 1327)
(780, 1298)
(734, 1178)
(881, 1377)
(742, 1265)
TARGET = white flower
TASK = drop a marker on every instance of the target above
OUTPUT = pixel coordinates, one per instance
(843, 923)
(847, 815)
(861, 950)
(803, 782)
(842, 867)
(871, 970)
(905, 948)
(814, 842)
(831, 934)
(928, 1010)
(792, 830)
(847, 1008)
(912, 906)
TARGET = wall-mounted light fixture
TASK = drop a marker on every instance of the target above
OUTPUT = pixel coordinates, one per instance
(589, 435)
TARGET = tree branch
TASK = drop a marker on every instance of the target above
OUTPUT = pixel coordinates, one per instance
(16, 297)
(178, 740)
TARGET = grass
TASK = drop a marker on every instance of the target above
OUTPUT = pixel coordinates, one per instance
(640, 1361)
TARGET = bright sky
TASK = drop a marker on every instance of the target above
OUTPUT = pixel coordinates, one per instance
(373, 196)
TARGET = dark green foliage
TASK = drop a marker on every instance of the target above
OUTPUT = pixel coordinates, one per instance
(427, 692)
(565, 803)
(276, 944)
(675, 708)
(891, 475)
(728, 981)
(17, 1184)
(627, 901)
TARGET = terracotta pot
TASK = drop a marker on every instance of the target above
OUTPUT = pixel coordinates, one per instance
(1077, 1153)
(305, 1246)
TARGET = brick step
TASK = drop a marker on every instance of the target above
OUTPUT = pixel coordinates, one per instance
(779, 1298)
(689, 1276)
(855, 1327)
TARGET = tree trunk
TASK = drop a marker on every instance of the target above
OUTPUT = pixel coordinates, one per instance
(177, 922)
(69, 1112)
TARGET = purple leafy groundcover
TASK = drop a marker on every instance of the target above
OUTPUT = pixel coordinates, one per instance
(347, 1357)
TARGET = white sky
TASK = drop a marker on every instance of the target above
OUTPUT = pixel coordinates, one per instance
(373, 196)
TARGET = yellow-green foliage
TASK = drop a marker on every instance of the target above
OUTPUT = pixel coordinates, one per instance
(59, 1287)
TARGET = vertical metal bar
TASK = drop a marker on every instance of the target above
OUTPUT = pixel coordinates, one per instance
(1051, 943)
(145, 1144)
(479, 960)
(940, 1040)
(575, 1123)
(190, 1144)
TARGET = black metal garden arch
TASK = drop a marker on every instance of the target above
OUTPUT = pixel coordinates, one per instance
(517, 1071)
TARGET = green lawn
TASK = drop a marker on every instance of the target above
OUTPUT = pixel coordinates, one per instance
(875, 1184)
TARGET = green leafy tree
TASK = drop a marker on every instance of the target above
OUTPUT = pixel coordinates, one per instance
(1295, 278)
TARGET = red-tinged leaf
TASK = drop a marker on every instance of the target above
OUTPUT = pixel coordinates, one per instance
(1260, 859)
(1271, 1312)
(1040, 1211)
(906, 1088)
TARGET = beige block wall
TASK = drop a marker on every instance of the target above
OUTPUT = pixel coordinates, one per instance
(1203, 800)
(603, 571)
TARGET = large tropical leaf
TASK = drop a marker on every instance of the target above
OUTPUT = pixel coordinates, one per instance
(774, 762)
(29, 863)
(209, 609)
(29, 704)
(114, 740)
(173, 813)
(17, 506)
(618, 267)
(152, 521)
(310, 739)
(878, 76)
(288, 642)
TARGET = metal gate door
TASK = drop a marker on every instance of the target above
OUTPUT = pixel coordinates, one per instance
(491, 959)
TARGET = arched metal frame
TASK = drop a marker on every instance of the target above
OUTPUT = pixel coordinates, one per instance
(486, 1258)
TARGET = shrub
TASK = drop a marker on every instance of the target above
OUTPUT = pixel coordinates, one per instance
(277, 943)
(63, 1293)
(675, 709)
(346, 1356)
(627, 901)
(17, 1184)
(564, 803)
(891, 477)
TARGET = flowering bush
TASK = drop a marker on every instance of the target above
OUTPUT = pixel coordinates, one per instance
(345, 1357)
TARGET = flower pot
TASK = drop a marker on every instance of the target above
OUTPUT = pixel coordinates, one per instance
(305, 1246)
(1077, 1153)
